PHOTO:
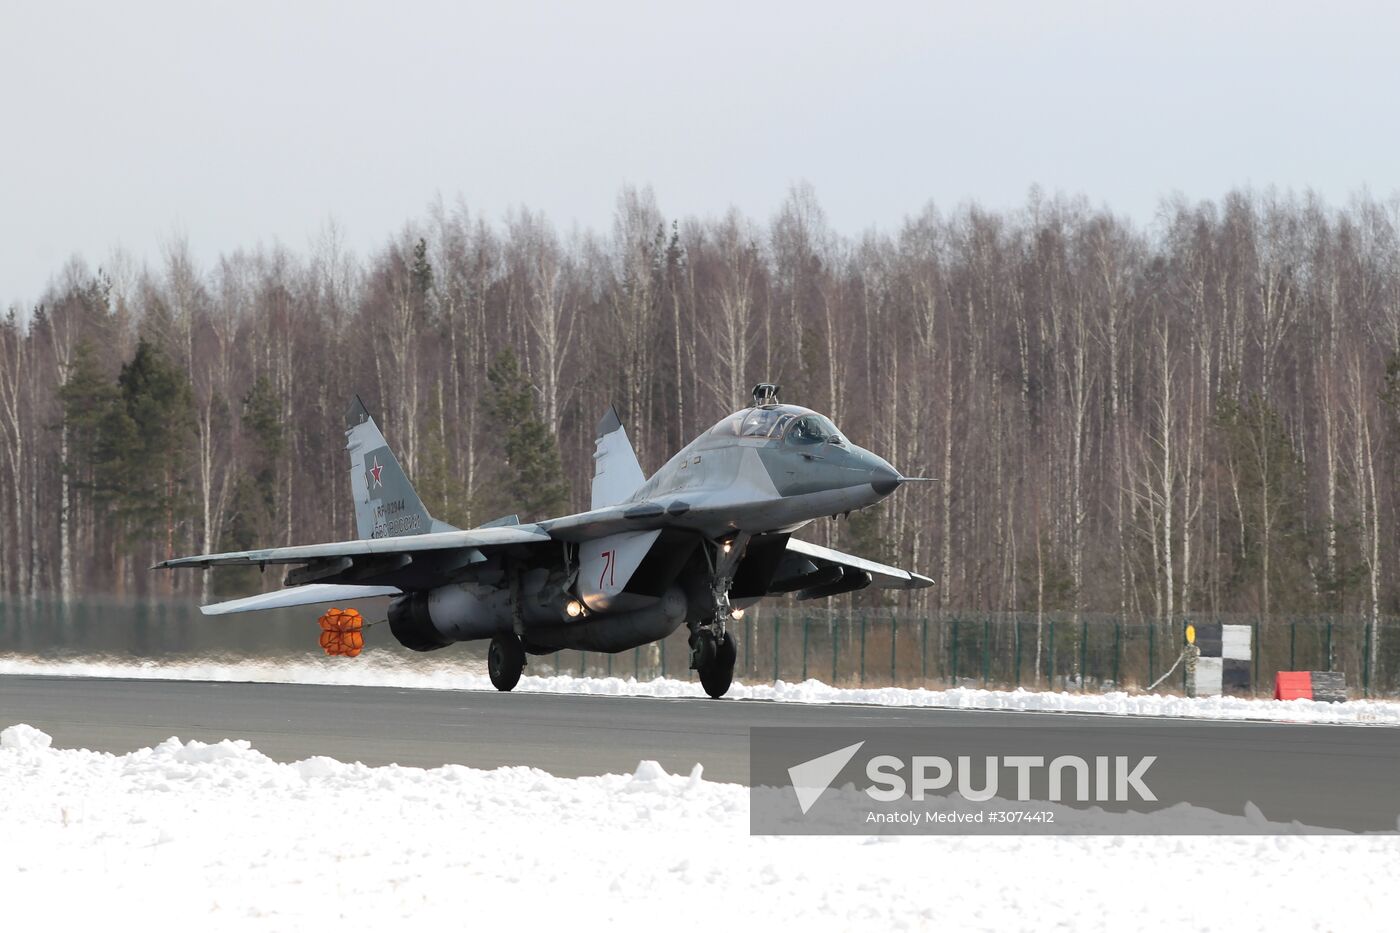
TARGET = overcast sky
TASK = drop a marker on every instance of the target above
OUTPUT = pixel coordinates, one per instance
(244, 123)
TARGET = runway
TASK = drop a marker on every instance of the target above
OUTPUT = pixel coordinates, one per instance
(566, 735)
(1343, 773)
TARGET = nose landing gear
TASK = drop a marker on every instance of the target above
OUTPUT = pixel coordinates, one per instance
(717, 655)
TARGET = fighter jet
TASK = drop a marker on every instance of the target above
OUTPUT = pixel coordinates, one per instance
(696, 544)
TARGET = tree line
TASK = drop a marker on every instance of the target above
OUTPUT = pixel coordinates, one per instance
(1199, 414)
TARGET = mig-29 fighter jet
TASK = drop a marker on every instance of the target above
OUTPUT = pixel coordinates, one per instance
(708, 535)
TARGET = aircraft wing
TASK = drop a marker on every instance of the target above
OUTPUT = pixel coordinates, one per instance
(307, 595)
(370, 547)
(579, 527)
(344, 570)
(881, 575)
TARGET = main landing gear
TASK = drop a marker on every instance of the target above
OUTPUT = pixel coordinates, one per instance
(713, 659)
(505, 659)
(713, 649)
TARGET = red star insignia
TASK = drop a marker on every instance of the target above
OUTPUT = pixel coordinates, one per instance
(375, 471)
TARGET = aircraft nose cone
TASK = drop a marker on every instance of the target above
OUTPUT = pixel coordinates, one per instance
(884, 478)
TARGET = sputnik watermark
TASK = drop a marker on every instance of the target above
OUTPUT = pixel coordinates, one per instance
(1016, 776)
(1116, 778)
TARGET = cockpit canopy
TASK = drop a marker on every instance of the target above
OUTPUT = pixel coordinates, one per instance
(794, 425)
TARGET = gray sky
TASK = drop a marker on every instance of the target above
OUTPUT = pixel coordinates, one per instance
(244, 123)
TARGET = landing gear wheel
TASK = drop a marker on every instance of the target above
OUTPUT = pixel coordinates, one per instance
(505, 659)
(704, 645)
(718, 674)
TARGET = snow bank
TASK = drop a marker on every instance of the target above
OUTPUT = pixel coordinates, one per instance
(384, 670)
(223, 836)
(24, 736)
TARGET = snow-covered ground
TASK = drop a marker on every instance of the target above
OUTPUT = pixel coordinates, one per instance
(222, 837)
(387, 670)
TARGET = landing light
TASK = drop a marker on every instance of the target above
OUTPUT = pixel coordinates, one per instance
(574, 608)
(727, 547)
(738, 613)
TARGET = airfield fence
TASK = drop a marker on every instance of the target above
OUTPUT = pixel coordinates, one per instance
(1087, 652)
(847, 648)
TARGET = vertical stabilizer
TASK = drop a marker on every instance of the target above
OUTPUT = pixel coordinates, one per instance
(385, 504)
(616, 472)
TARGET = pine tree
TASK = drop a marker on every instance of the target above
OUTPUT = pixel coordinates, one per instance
(254, 507)
(1269, 486)
(89, 400)
(148, 447)
(262, 423)
(534, 481)
(441, 491)
(1390, 394)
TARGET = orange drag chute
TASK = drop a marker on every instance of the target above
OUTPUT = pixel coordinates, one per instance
(342, 632)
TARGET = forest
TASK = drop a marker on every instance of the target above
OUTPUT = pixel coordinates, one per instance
(1198, 414)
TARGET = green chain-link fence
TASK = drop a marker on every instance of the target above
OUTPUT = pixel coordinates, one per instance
(1093, 653)
(849, 648)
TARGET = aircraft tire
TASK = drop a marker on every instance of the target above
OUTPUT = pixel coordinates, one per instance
(718, 674)
(703, 648)
(505, 659)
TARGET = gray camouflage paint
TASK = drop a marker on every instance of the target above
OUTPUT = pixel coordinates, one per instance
(386, 505)
(517, 577)
(762, 485)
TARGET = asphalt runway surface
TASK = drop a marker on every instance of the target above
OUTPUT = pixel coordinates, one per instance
(1324, 775)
